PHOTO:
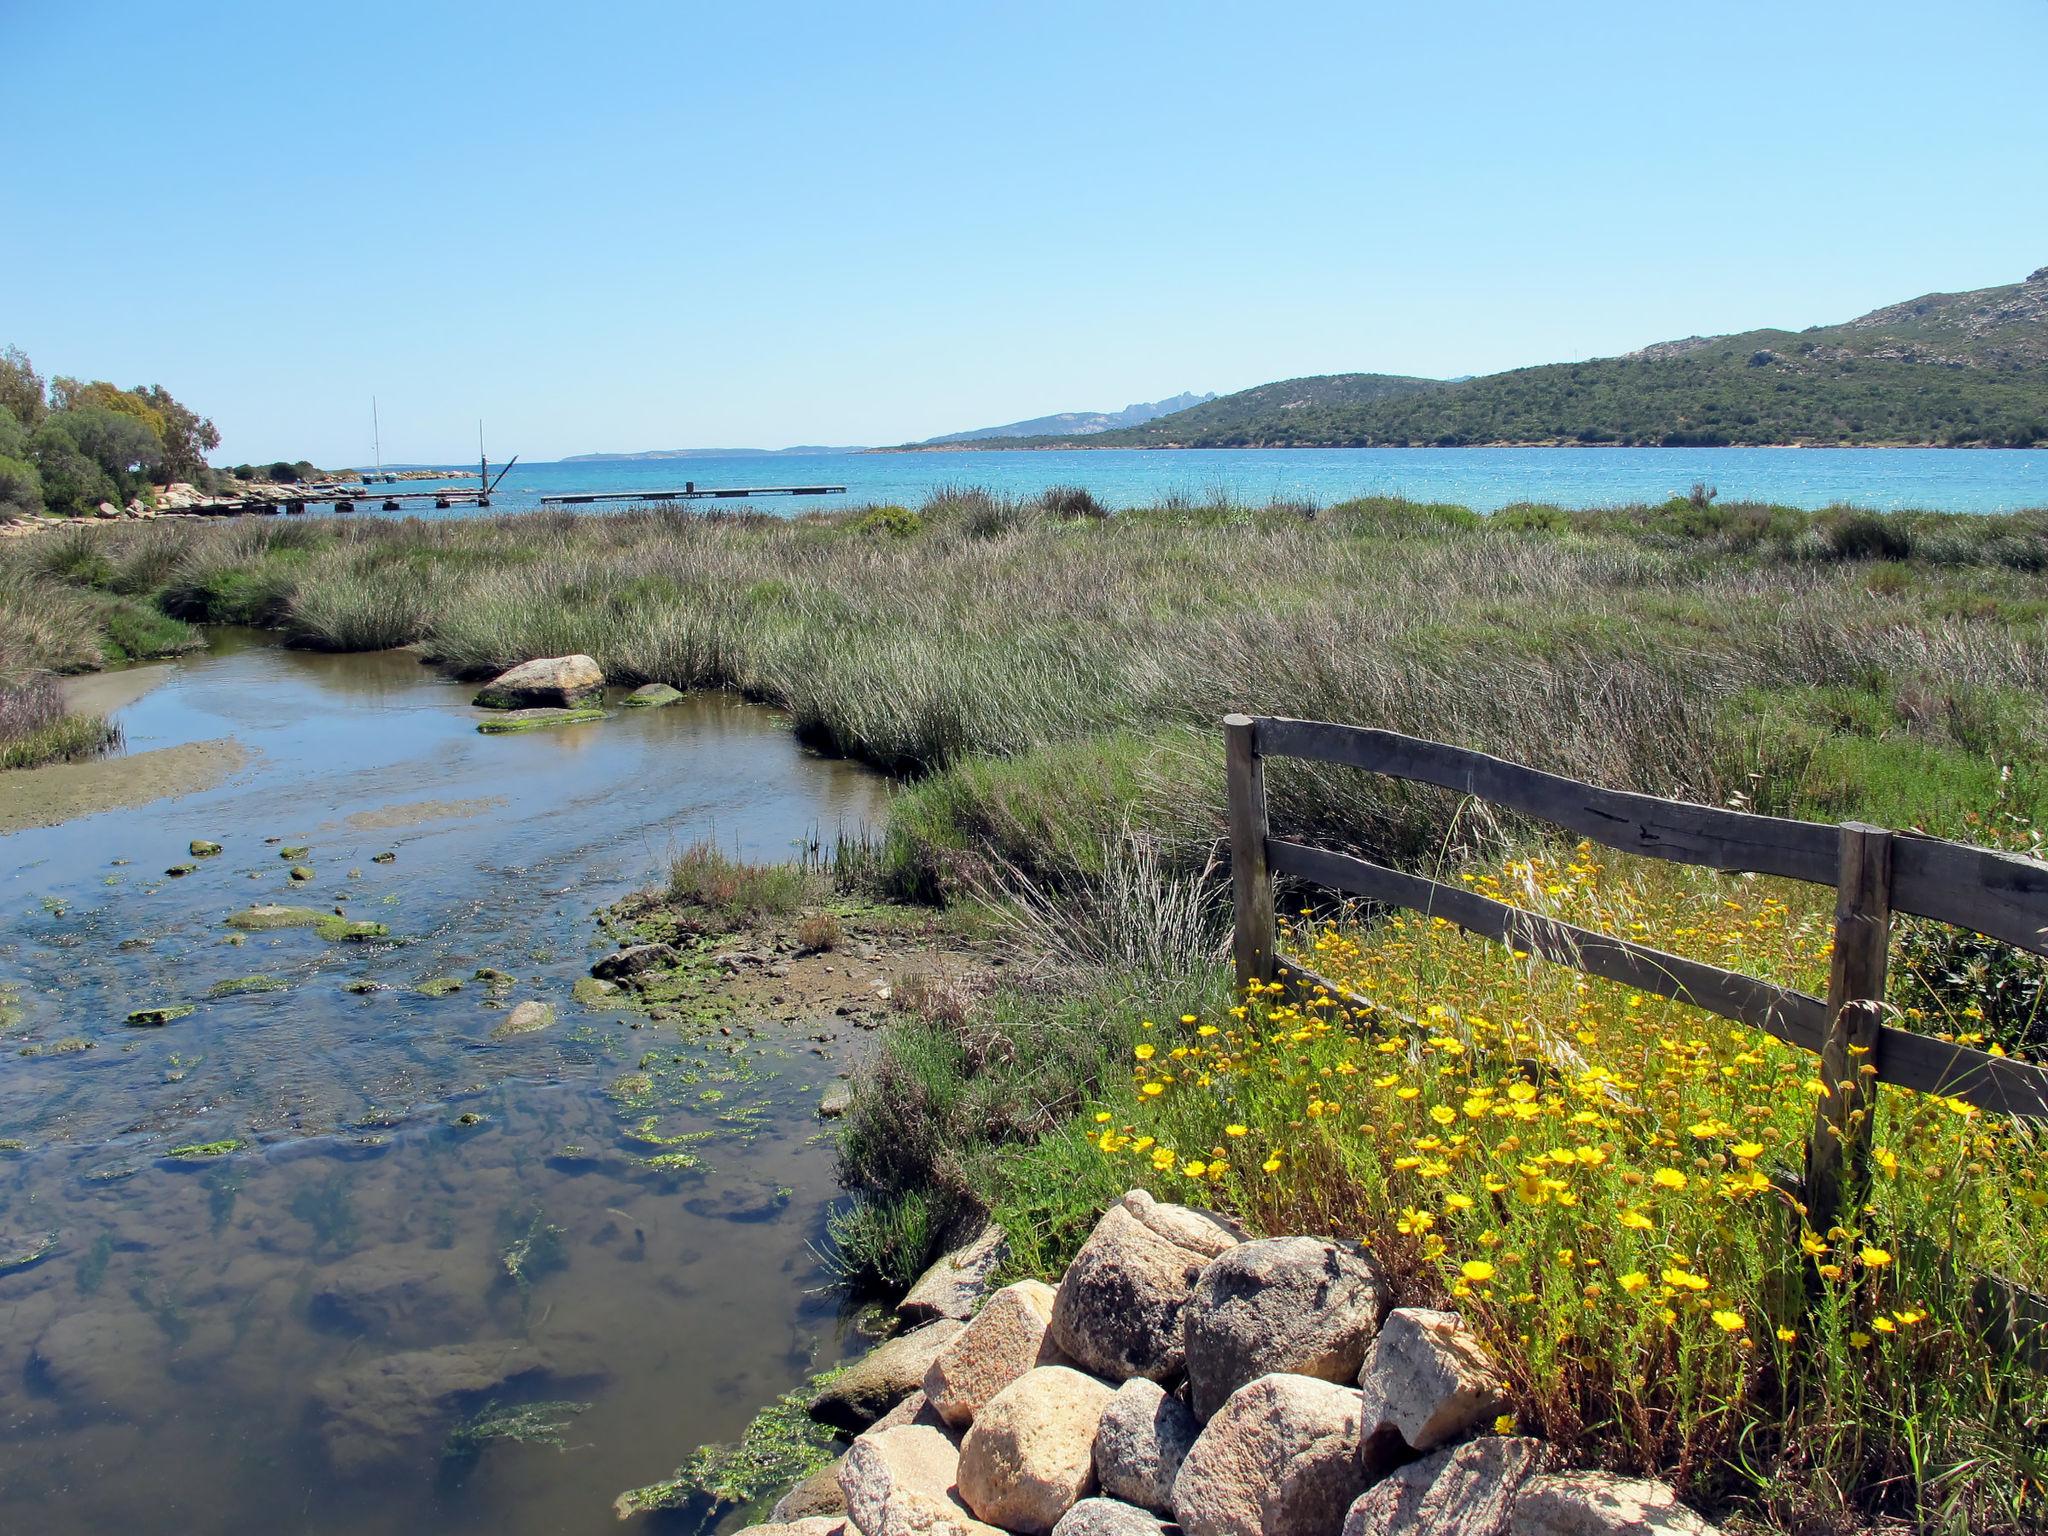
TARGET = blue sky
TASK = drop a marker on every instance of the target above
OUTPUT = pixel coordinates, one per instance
(629, 226)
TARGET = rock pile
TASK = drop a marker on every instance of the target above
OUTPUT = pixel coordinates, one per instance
(1183, 1379)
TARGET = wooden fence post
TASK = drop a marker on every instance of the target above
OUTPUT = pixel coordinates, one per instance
(1250, 883)
(1838, 1155)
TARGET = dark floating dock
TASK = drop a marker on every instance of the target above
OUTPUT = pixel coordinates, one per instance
(692, 492)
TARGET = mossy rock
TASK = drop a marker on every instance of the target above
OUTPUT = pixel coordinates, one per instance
(288, 854)
(301, 873)
(24, 1253)
(70, 1045)
(537, 720)
(526, 1019)
(235, 986)
(651, 696)
(363, 988)
(261, 919)
(384, 858)
(200, 848)
(491, 976)
(204, 1151)
(592, 993)
(343, 930)
(440, 986)
(150, 1018)
(179, 871)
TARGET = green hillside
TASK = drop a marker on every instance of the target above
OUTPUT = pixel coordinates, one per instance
(1957, 370)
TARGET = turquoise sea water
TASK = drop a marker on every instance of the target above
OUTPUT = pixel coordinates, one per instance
(1956, 480)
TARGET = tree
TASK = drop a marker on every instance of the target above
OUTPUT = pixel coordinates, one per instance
(21, 388)
(188, 437)
(88, 454)
(21, 488)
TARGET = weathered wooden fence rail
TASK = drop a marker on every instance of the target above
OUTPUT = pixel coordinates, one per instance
(1874, 873)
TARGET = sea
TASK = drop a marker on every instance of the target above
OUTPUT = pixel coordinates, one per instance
(1485, 479)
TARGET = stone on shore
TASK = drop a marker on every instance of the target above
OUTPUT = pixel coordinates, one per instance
(914, 1409)
(834, 1102)
(1601, 1504)
(1140, 1443)
(650, 696)
(1280, 1459)
(1111, 1517)
(816, 1495)
(1030, 1456)
(1292, 1304)
(1427, 1381)
(1005, 1339)
(1469, 1491)
(806, 1525)
(903, 1482)
(1118, 1313)
(955, 1285)
(882, 1378)
(563, 681)
(624, 964)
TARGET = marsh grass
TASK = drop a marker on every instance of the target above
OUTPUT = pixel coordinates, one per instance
(736, 891)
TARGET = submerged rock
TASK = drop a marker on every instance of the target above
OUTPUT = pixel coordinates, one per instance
(264, 918)
(528, 1018)
(200, 848)
(391, 1411)
(150, 1018)
(565, 681)
(835, 1101)
(235, 986)
(817, 1495)
(537, 720)
(301, 873)
(439, 986)
(650, 696)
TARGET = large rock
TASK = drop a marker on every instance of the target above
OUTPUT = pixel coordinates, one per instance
(903, 1482)
(1601, 1504)
(1427, 1381)
(809, 1525)
(1291, 1304)
(955, 1285)
(1111, 1517)
(392, 1410)
(625, 964)
(563, 681)
(1030, 1456)
(1119, 1308)
(1140, 1443)
(386, 1296)
(1469, 1491)
(1006, 1339)
(1280, 1459)
(816, 1495)
(881, 1378)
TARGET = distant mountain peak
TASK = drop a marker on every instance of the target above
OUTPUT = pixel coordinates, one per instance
(1078, 423)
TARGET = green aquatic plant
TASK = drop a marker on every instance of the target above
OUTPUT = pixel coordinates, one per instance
(526, 1424)
(537, 1250)
(439, 986)
(200, 1151)
(540, 720)
(92, 1268)
(782, 1445)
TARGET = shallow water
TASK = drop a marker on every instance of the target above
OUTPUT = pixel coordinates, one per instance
(294, 1327)
(1944, 479)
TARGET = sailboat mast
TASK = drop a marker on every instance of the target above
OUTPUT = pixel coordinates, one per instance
(377, 436)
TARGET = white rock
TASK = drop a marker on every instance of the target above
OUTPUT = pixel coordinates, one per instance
(903, 1482)
(1005, 1339)
(1601, 1504)
(1428, 1381)
(1030, 1456)
(1280, 1459)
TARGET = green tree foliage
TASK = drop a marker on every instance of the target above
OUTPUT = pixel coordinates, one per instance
(21, 387)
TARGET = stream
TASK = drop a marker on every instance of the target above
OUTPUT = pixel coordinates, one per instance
(330, 1253)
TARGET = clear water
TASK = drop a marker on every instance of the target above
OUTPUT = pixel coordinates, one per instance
(284, 1336)
(1959, 480)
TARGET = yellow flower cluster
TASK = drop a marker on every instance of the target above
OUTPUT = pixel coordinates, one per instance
(1597, 1175)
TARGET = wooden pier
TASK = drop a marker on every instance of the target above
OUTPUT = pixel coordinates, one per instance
(691, 491)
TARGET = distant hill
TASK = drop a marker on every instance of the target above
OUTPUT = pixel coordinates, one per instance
(701, 453)
(1947, 369)
(1076, 423)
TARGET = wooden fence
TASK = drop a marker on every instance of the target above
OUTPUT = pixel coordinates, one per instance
(1874, 873)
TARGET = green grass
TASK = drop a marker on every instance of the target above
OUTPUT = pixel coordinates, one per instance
(71, 738)
(735, 891)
